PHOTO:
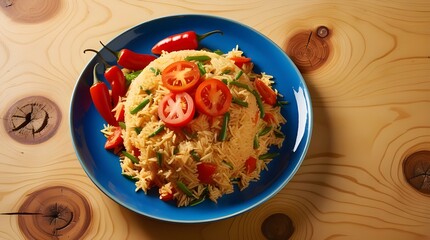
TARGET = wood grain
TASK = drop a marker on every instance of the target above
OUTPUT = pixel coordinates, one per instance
(371, 103)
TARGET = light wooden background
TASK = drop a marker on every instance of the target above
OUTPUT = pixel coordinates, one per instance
(371, 103)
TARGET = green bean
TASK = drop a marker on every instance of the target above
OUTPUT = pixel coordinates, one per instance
(131, 157)
(184, 189)
(159, 158)
(129, 177)
(201, 58)
(255, 142)
(259, 103)
(223, 132)
(268, 156)
(201, 68)
(239, 102)
(196, 157)
(238, 75)
(157, 131)
(265, 131)
(140, 106)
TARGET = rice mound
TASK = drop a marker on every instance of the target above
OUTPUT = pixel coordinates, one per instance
(178, 147)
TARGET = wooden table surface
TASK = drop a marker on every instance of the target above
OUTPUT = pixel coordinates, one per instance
(367, 171)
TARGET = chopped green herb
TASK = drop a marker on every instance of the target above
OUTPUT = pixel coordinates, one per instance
(197, 201)
(241, 85)
(225, 81)
(131, 157)
(227, 71)
(147, 91)
(278, 134)
(121, 125)
(259, 103)
(140, 106)
(175, 150)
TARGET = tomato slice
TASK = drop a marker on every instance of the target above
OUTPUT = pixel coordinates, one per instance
(206, 171)
(213, 97)
(176, 109)
(239, 61)
(250, 165)
(115, 139)
(180, 76)
(267, 93)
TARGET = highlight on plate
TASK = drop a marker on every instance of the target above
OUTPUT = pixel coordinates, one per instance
(194, 124)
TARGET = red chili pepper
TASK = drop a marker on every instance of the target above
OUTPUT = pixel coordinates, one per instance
(182, 41)
(101, 98)
(117, 81)
(115, 77)
(131, 60)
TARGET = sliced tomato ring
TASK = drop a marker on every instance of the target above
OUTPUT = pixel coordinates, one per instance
(267, 94)
(213, 97)
(180, 76)
(176, 109)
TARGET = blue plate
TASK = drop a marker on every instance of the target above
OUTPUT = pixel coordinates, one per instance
(103, 167)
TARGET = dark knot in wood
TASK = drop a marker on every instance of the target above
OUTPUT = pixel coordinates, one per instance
(309, 50)
(277, 226)
(32, 120)
(54, 213)
(416, 168)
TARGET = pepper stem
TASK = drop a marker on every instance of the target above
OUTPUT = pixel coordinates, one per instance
(95, 78)
(105, 63)
(201, 37)
(116, 54)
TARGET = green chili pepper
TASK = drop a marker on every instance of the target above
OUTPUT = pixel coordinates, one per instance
(201, 58)
(140, 106)
(201, 68)
(184, 189)
(268, 156)
(131, 157)
(223, 132)
(196, 157)
(159, 158)
(157, 131)
(239, 102)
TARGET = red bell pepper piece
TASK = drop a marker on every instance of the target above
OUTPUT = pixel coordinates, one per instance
(182, 41)
(101, 98)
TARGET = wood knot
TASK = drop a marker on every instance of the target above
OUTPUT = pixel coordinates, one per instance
(416, 168)
(30, 11)
(32, 120)
(277, 226)
(53, 212)
(309, 50)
